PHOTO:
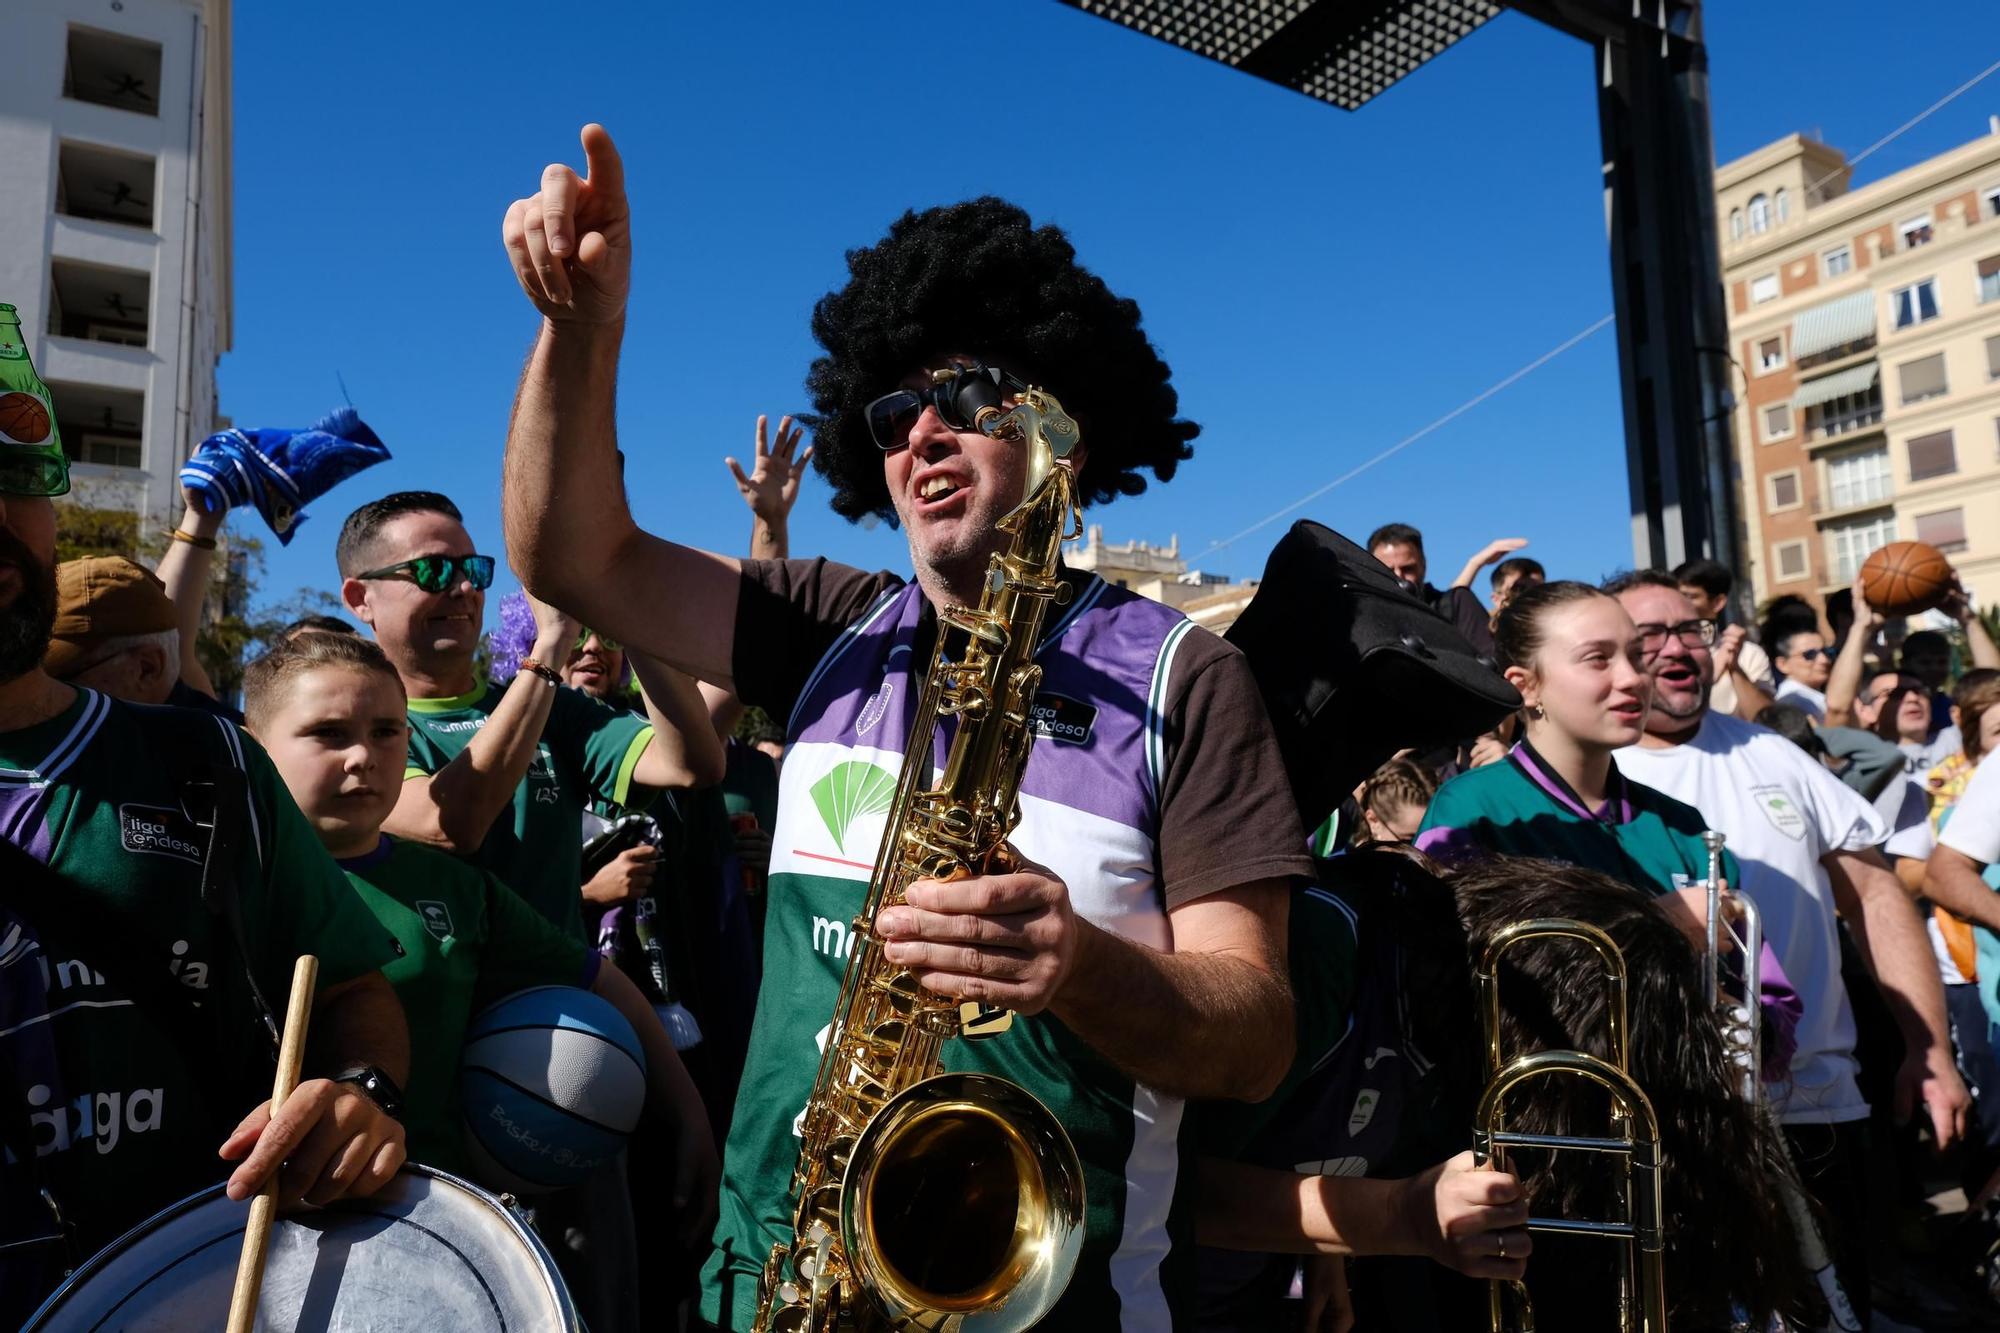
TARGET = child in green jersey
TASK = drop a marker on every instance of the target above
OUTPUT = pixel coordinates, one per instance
(331, 711)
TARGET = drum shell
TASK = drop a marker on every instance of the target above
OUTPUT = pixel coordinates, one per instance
(429, 1251)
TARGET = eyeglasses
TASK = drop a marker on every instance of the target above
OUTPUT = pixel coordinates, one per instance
(604, 641)
(1693, 633)
(1810, 654)
(957, 394)
(438, 573)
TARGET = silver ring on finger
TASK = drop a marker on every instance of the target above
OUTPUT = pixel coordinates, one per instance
(1501, 1238)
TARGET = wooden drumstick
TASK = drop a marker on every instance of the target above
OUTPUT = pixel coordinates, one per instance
(264, 1208)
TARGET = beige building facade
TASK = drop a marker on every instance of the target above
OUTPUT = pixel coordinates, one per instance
(1159, 572)
(1865, 325)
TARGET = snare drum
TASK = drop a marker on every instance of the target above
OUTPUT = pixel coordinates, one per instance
(430, 1251)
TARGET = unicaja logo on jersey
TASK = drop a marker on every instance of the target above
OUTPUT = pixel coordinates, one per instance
(848, 792)
(437, 919)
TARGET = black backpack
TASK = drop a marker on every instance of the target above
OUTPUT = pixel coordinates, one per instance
(1354, 667)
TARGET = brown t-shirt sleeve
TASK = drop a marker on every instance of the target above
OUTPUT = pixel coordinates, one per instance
(788, 613)
(1226, 811)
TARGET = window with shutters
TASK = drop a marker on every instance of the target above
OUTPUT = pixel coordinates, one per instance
(1782, 198)
(1993, 202)
(1735, 224)
(1993, 357)
(1777, 421)
(1771, 354)
(1790, 559)
(1760, 214)
(1859, 411)
(1784, 490)
(1848, 544)
(1915, 303)
(1764, 289)
(1837, 261)
(1915, 231)
(1932, 455)
(1989, 279)
(1858, 479)
(1922, 378)
(1944, 529)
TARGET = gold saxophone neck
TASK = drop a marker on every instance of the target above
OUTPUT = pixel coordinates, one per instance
(1050, 435)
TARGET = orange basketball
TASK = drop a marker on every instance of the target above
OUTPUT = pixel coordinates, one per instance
(23, 419)
(1903, 578)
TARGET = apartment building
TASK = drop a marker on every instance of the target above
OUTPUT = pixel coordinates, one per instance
(1160, 572)
(115, 148)
(1865, 330)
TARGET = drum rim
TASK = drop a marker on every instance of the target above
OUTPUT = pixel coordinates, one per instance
(495, 1202)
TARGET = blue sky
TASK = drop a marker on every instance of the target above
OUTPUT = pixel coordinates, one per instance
(1322, 282)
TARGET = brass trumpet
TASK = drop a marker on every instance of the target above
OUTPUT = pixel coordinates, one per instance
(1634, 1141)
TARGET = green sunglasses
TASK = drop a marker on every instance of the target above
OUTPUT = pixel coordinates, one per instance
(438, 573)
(609, 644)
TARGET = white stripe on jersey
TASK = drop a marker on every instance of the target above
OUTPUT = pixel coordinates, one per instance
(1150, 1176)
(95, 708)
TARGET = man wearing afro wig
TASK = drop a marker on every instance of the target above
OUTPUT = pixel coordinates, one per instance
(1143, 947)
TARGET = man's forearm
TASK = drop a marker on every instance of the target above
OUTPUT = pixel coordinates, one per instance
(1843, 684)
(360, 1022)
(463, 798)
(183, 571)
(1750, 696)
(1952, 881)
(685, 750)
(563, 495)
(1271, 1210)
(1891, 939)
(1195, 1025)
(770, 541)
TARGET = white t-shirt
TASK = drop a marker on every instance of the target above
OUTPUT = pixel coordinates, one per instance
(1907, 811)
(1782, 811)
(1923, 756)
(1975, 821)
(1802, 697)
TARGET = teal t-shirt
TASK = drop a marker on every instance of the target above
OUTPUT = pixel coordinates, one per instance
(588, 751)
(126, 1101)
(1517, 807)
(467, 940)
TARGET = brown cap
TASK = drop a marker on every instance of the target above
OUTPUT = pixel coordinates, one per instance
(105, 597)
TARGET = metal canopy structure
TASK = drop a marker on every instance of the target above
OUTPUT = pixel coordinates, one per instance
(1659, 183)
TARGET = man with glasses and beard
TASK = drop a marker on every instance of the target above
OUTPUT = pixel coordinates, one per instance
(1807, 846)
(131, 1045)
(1145, 958)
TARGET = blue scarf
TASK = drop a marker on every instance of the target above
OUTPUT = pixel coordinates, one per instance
(278, 471)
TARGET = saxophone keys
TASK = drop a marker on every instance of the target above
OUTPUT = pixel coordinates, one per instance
(977, 1021)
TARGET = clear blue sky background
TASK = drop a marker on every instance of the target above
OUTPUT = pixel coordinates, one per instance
(1322, 282)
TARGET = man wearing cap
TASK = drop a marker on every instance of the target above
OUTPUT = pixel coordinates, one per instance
(132, 1053)
(117, 633)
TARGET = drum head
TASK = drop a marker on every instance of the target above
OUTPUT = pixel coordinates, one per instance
(429, 1252)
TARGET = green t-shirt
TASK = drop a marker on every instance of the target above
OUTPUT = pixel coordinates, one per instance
(126, 1094)
(588, 750)
(467, 940)
(1516, 807)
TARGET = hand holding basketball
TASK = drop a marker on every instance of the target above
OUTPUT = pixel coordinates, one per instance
(1904, 578)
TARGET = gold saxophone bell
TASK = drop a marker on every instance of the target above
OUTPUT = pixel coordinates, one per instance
(1634, 1142)
(985, 1153)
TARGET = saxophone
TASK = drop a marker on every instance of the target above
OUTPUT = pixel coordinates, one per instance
(926, 1200)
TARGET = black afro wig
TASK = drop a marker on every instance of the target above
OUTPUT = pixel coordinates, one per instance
(980, 278)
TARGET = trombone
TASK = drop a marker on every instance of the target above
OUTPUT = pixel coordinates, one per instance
(1634, 1140)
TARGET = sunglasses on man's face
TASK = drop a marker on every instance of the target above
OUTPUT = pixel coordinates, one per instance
(438, 573)
(957, 396)
(604, 641)
(1812, 654)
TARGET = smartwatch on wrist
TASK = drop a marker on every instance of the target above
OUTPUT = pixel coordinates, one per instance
(379, 1087)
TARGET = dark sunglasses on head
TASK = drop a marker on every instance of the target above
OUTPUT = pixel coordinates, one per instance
(957, 394)
(438, 573)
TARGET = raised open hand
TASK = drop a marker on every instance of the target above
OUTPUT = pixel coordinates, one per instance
(571, 241)
(773, 484)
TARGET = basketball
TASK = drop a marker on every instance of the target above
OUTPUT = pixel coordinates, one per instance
(1903, 578)
(551, 1084)
(23, 418)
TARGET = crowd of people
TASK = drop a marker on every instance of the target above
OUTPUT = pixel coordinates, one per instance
(640, 779)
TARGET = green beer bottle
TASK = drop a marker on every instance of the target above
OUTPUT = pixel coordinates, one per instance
(31, 456)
